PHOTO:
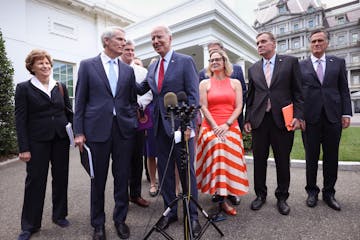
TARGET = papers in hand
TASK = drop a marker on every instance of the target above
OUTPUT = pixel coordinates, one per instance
(86, 161)
(177, 135)
(288, 113)
(70, 133)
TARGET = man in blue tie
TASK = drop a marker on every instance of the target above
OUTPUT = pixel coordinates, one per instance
(105, 119)
(327, 110)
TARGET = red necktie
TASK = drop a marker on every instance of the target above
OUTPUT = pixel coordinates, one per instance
(161, 74)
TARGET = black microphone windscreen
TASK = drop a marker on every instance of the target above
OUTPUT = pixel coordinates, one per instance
(170, 99)
(181, 97)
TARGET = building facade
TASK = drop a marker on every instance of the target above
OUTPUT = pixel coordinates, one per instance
(292, 22)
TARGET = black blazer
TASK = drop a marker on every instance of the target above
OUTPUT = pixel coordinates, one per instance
(333, 95)
(285, 88)
(39, 117)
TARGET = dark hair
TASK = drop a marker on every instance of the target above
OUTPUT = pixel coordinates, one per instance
(272, 37)
(215, 42)
(34, 55)
(327, 35)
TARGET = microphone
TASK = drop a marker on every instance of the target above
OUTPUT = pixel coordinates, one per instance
(170, 102)
(182, 98)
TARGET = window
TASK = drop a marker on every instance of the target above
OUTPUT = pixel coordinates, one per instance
(354, 37)
(355, 58)
(311, 23)
(63, 72)
(282, 30)
(357, 105)
(296, 26)
(355, 78)
(296, 42)
(340, 19)
(341, 40)
(282, 46)
(282, 9)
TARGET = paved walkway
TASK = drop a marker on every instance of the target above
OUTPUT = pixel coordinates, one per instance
(320, 223)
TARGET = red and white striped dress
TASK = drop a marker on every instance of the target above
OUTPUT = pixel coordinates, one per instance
(220, 165)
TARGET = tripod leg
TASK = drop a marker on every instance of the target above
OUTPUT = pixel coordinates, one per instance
(209, 220)
(187, 220)
(165, 213)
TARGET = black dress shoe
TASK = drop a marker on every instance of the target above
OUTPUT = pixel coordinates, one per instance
(235, 200)
(283, 208)
(24, 235)
(122, 230)
(62, 222)
(196, 228)
(257, 203)
(311, 201)
(331, 202)
(99, 233)
(165, 222)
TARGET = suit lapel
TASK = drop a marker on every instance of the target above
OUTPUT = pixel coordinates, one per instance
(310, 67)
(99, 68)
(277, 65)
(169, 70)
(260, 73)
(329, 62)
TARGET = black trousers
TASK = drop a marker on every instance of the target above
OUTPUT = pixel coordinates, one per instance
(327, 135)
(120, 150)
(281, 141)
(136, 165)
(56, 152)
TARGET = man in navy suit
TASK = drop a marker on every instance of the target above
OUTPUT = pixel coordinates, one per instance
(236, 74)
(327, 110)
(105, 119)
(274, 82)
(179, 75)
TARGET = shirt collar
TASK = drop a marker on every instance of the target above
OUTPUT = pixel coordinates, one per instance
(105, 58)
(168, 55)
(314, 59)
(272, 60)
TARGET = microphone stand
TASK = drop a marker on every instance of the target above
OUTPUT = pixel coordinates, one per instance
(185, 114)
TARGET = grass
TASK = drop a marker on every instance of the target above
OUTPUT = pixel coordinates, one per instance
(349, 146)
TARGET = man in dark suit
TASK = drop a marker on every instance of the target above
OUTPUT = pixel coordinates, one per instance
(327, 109)
(105, 119)
(274, 82)
(236, 74)
(177, 74)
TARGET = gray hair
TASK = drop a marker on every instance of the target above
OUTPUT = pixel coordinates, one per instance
(215, 42)
(130, 42)
(164, 27)
(109, 32)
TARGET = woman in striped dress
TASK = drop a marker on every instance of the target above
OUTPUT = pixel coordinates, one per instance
(220, 160)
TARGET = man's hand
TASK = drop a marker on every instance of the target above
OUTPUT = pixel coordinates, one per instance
(25, 156)
(345, 122)
(247, 127)
(295, 124)
(80, 141)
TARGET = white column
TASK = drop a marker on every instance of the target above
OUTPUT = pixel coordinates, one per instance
(205, 56)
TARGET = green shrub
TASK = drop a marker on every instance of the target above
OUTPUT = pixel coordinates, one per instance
(7, 124)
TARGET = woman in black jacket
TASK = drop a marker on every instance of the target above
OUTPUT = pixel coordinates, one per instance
(41, 118)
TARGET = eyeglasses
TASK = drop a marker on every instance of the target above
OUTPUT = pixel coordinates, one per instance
(215, 60)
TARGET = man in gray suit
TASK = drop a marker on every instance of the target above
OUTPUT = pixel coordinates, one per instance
(177, 74)
(327, 110)
(105, 119)
(274, 82)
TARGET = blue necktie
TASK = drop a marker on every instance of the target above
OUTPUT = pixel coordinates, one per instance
(112, 77)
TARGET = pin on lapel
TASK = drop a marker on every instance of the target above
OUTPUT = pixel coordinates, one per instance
(280, 60)
(331, 60)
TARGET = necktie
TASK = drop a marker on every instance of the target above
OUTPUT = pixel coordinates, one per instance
(161, 74)
(112, 76)
(268, 81)
(268, 73)
(320, 71)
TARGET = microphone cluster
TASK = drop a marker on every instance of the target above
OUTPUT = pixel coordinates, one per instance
(176, 106)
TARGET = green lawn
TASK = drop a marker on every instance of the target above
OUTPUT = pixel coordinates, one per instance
(349, 145)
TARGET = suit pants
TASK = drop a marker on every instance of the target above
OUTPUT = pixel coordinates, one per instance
(137, 165)
(56, 152)
(328, 135)
(120, 149)
(281, 141)
(166, 170)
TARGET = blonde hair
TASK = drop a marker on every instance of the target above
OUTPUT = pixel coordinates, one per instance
(228, 68)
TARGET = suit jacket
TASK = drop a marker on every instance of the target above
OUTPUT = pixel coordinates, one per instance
(333, 95)
(181, 75)
(39, 117)
(94, 101)
(285, 88)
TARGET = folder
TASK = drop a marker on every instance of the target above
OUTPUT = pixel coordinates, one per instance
(288, 113)
(70, 133)
(86, 161)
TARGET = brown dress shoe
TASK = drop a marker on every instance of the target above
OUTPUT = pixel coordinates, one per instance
(140, 201)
